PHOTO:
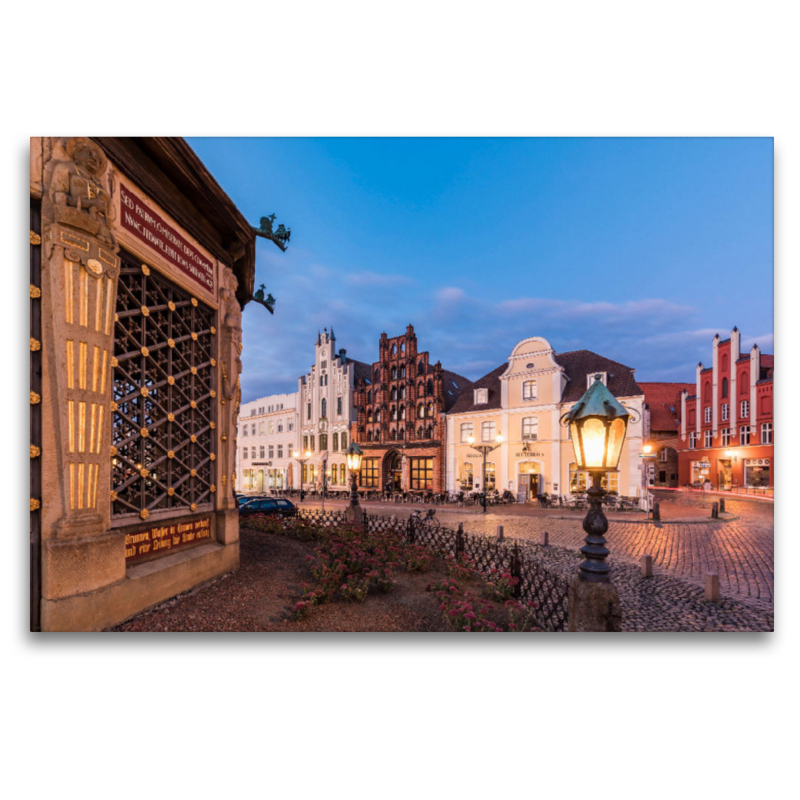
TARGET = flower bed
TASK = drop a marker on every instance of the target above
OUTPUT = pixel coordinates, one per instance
(350, 564)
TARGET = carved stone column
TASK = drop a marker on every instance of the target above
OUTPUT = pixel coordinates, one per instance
(80, 268)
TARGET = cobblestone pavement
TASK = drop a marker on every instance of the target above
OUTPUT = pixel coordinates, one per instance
(740, 550)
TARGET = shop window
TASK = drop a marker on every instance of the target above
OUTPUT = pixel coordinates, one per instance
(163, 388)
(744, 410)
(578, 480)
(422, 473)
(466, 480)
(370, 469)
(530, 390)
(744, 435)
(766, 433)
(490, 477)
(530, 429)
(466, 431)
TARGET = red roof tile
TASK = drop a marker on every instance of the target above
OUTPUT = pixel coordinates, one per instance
(663, 400)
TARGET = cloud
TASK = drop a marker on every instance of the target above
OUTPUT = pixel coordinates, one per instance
(450, 294)
(367, 278)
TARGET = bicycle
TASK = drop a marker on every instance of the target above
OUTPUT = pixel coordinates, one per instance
(428, 522)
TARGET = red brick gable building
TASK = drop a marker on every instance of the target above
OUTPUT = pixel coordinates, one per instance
(400, 417)
(727, 421)
(662, 412)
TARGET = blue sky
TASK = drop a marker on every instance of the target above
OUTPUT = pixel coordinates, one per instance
(638, 249)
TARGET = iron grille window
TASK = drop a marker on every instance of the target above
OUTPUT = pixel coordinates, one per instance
(164, 406)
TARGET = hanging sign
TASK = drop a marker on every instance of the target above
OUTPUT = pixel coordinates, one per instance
(150, 227)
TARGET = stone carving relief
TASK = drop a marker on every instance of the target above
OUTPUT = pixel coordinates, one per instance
(230, 356)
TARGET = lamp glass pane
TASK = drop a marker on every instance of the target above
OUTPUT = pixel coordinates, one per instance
(616, 436)
(576, 442)
(593, 435)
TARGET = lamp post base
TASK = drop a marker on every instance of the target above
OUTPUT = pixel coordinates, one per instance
(594, 607)
(355, 515)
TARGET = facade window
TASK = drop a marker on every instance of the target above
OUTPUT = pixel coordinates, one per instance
(271, 452)
(530, 429)
(707, 438)
(487, 431)
(744, 411)
(290, 426)
(244, 430)
(370, 468)
(311, 442)
(578, 481)
(663, 454)
(726, 437)
(271, 427)
(339, 406)
(744, 435)
(724, 387)
(726, 411)
(590, 379)
(707, 414)
(308, 412)
(466, 480)
(490, 478)
(244, 453)
(422, 473)
(280, 451)
(481, 396)
(530, 390)
(324, 408)
(421, 411)
(693, 440)
(766, 433)
(280, 426)
(335, 442)
(323, 441)
(466, 431)
(343, 443)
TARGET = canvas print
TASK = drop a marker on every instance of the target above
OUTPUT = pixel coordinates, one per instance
(507, 385)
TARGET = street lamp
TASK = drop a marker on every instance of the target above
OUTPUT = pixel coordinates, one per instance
(353, 455)
(597, 426)
(485, 449)
(647, 452)
(302, 461)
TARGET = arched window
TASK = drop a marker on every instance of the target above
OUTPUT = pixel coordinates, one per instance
(429, 412)
(421, 411)
(420, 388)
(394, 414)
(430, 386)
(402, 412)
(369, 436)
(393, 434)
(429, 432)
(419, 433)
(707, 393)
(369, 396)
(403, 346)
(378, 415)
(324, 408)
(394, 349)
(743, 383)
(335, 442)
(369, 416)
(393, 395)
(343, 442)
(394, 373)
(402, 433)
(402, 372)
(421, 365)
(402, 392)
(724, 387)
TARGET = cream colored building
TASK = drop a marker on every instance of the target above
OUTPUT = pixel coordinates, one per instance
(268, 435)
(524, 400)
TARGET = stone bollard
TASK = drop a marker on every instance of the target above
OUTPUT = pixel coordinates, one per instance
(393, 519)
(499, 533)
(545, 538)
(647, 565)
(722, 505)
(594, 607)
(715, 511)
(656, 512)
(712, 587)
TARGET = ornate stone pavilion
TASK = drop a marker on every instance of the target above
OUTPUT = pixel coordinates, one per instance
(140, 266)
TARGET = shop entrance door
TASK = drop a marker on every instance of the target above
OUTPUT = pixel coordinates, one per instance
(394, 469)
(529, 483)
(724, 474)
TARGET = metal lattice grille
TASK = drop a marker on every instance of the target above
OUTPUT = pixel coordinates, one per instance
(164, 396)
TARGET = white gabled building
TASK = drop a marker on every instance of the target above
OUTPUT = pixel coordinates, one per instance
(268, 434)
(325, 408)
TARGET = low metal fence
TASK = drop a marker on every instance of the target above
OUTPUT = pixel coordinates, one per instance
(536, 584)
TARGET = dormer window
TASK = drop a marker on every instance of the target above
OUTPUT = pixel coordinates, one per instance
(591, 378)
(481, 396)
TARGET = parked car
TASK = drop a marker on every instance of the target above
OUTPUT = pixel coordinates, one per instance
(242, 499)
(279, 506)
